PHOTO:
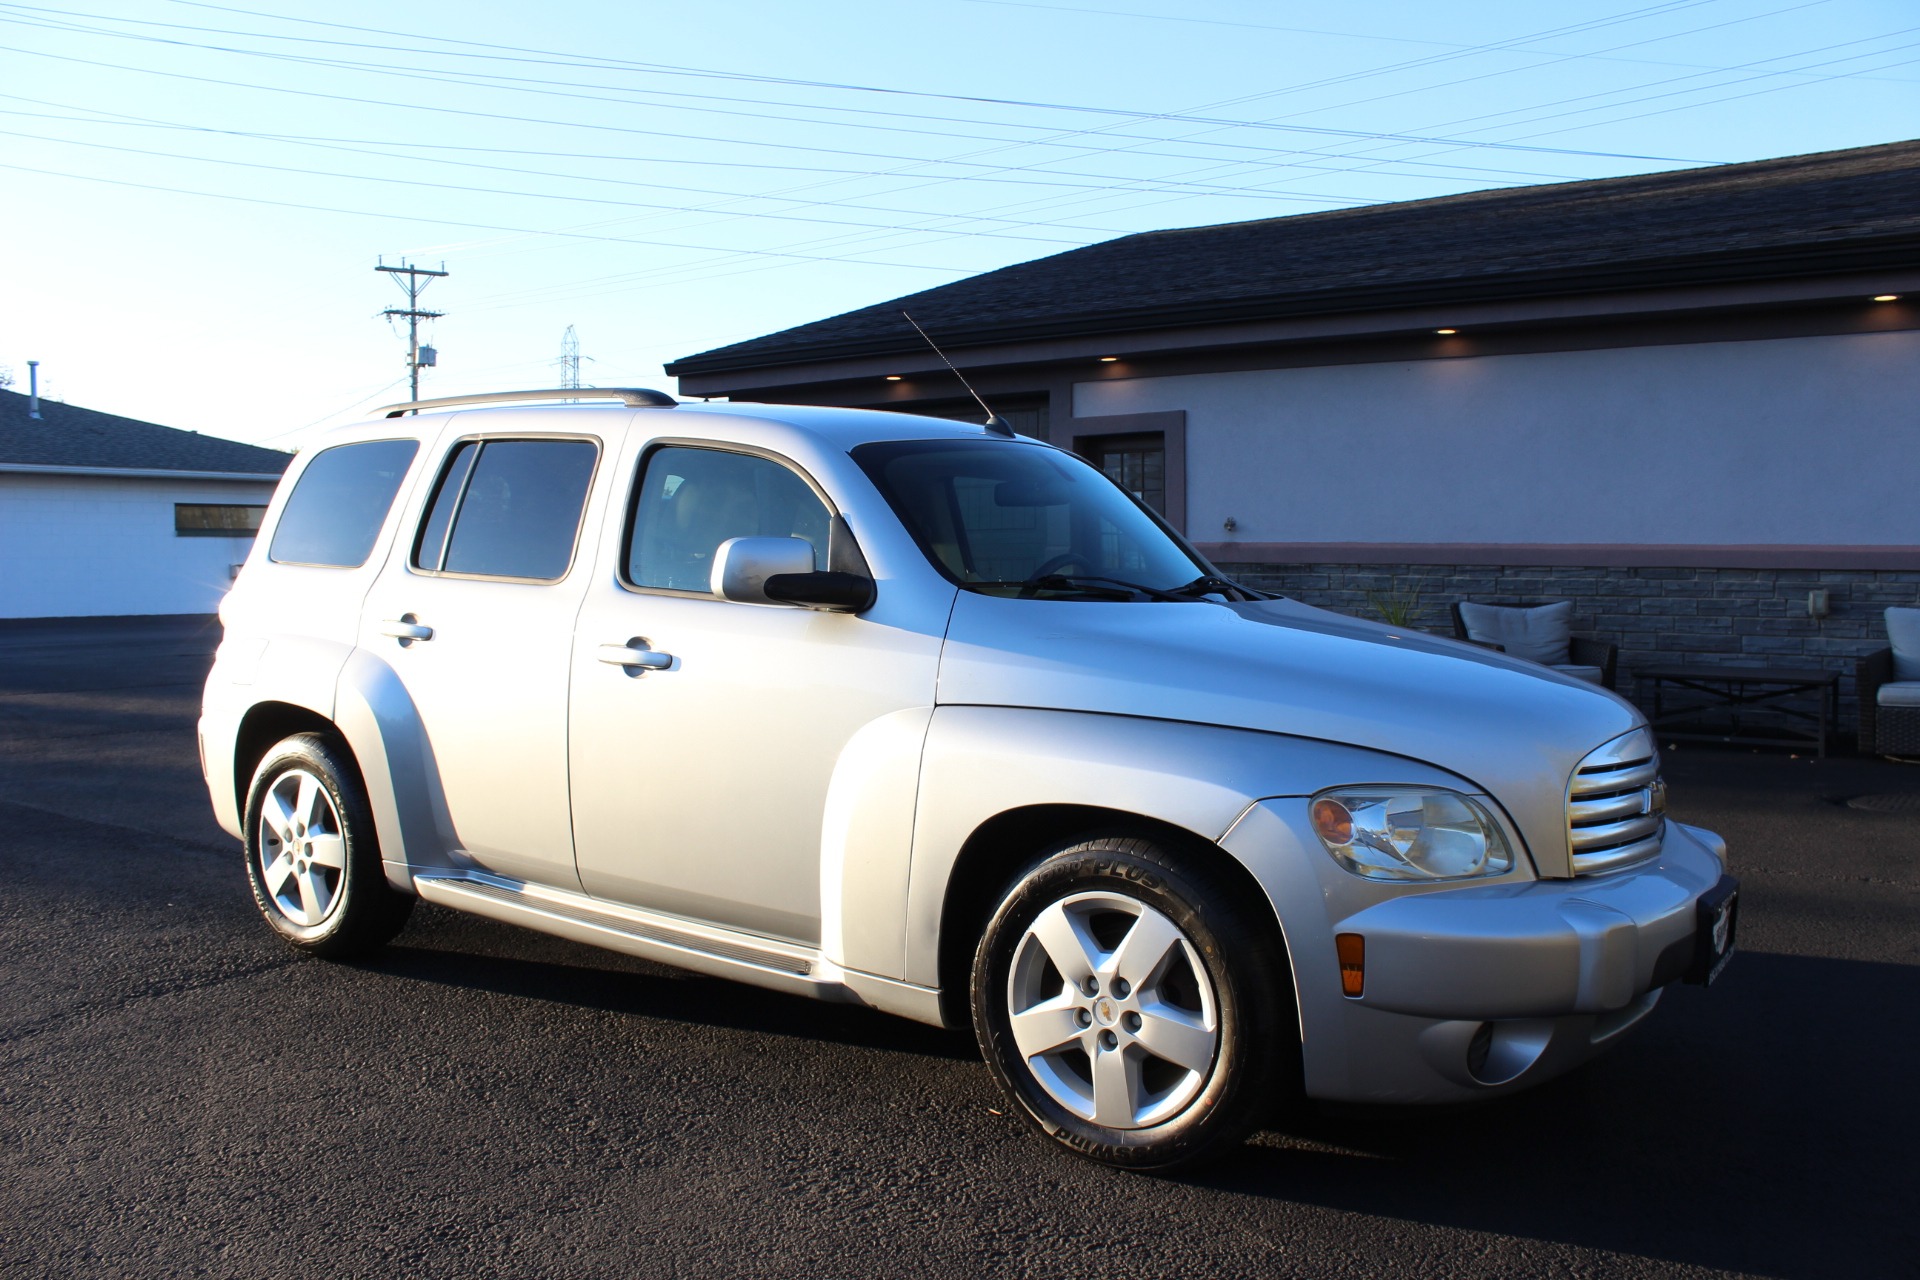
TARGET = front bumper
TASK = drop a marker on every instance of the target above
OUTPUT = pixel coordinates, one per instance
(1534, 950)
(1475, 989)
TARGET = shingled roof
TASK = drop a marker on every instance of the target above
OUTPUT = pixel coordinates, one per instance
(1771, 219)
(67, 436)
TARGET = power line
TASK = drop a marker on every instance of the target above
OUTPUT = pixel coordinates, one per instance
(1532, 115)
(918, 162)
(1174, 117)
(1131, 187)
(371, 147)
(498, 191)
(470, 226)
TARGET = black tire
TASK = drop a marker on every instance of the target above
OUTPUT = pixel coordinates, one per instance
(1255, 1060)
(339, 912)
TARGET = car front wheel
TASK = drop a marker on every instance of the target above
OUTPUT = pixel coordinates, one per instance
(1134, 1007)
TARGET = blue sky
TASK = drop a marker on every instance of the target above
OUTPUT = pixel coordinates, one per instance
(196, 194)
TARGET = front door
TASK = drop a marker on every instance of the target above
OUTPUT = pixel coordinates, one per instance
(699, 789)
(475, 614)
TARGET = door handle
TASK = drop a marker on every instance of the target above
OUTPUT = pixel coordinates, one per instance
(630, 656)
(405, 629)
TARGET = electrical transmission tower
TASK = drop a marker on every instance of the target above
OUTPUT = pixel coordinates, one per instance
(570, 360)
(416, 282)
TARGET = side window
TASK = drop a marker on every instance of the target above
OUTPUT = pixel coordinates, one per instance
(690, 501)
(507, 509)
(430, 548)
(339, 503)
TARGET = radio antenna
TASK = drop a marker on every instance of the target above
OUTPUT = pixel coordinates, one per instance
(995, 423)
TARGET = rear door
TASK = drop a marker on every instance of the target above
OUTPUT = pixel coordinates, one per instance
(475, 616)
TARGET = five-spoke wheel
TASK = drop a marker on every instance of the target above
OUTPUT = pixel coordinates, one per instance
(1112, 1010)
(303, 855)
(312, 856)
(1133, 1005)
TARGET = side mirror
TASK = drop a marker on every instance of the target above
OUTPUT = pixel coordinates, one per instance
(741, 566)
(780, 571)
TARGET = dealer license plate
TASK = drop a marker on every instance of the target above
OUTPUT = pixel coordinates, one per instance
(1719, 922)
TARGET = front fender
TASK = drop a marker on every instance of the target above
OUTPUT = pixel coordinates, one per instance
(980, 762)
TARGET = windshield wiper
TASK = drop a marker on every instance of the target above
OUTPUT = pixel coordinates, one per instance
(1207, 584)
(1080, 579)
(1090, 584)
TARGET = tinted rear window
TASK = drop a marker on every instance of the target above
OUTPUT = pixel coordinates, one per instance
(509, 508)
(339, 503)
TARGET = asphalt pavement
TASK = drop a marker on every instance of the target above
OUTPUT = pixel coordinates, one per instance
(182, 1095)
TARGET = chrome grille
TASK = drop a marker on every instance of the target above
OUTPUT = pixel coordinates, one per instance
(1616, 805)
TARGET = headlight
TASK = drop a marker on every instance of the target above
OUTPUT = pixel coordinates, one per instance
(1409, 833)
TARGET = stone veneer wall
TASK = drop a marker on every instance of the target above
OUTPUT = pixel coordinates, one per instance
(1656, 616)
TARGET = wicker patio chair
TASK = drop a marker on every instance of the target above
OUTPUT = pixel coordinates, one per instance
(1538, 632)
(1889, 684)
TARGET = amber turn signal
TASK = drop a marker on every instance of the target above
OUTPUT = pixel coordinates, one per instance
(1333, 821)
(1352, 950)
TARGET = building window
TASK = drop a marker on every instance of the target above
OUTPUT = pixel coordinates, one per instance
(1136, 463)
(1026, 415)
(216, 520)
(1143, 453)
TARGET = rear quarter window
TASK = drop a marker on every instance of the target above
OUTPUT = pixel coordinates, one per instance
(339, 503)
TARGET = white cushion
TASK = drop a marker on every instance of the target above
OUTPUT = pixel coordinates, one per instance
(1592, 675)
(1543, 634)
(1903, 629)
(1901, 693)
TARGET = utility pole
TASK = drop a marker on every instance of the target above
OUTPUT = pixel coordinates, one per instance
(570, 360)
(416, 282)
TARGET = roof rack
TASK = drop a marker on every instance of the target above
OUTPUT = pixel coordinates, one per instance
(632, 397)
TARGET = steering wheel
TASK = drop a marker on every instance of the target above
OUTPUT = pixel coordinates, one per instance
(1057, 563)
(1053, 567)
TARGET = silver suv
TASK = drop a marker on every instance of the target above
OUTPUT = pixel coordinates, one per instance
(893, 710)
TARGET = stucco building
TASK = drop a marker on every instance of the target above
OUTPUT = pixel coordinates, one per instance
(104, 515)
(1684, 400)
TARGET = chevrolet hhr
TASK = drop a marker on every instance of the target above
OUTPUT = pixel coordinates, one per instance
(929, 717)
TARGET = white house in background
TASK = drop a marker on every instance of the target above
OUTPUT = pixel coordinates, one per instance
(102, 515)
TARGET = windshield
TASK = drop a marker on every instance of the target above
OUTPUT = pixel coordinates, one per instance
(1006, 518)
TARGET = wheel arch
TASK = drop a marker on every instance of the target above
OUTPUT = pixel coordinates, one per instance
(266, 723)
(1005, 844)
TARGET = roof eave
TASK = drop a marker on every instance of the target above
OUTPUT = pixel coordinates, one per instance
(134, 473)
(1800, 261)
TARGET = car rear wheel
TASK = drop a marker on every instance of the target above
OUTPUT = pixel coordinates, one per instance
(1133, 1006)
(313, 859)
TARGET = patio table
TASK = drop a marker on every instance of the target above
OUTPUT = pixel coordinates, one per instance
(1725, 693)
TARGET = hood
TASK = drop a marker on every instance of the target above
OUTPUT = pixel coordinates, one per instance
(1513, 729)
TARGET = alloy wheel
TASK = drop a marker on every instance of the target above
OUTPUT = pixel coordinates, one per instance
(1112, 1010)
(303, 852)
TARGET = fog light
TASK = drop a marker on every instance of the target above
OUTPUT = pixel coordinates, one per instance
(1352, 950)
